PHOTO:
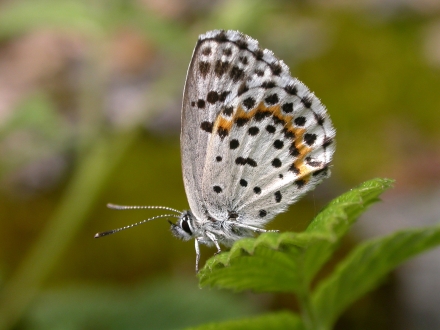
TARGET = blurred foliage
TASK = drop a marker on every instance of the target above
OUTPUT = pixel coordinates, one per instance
(288, 262)
(145, 306)
(90, 96)
(272, 321)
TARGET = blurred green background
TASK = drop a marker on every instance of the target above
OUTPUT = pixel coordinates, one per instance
(90, 96)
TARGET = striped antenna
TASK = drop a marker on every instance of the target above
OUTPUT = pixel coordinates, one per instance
(125, 207)
(109, 232)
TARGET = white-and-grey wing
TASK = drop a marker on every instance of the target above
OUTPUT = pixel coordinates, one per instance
(208, 71)
(267, 140)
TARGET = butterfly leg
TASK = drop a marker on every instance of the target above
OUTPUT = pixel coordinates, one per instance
(256, 229)
(197, 254)
(214, 240)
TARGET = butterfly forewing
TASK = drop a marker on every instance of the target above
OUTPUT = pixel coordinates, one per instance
(197, 114)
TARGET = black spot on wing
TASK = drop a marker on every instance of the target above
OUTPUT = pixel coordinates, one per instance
(276, 162)
(276, 68)
(319, 119)
(240, 161)
(291, 89)
(232, 215)
(206, 51)
(249, 103)
(222, 132)
(287, 107)
(241, 121)
(212, 97)
(259, 54)
(300, 121)
(259, 73)
(243, 161)
(261, 114)
(251, 162)
(268, 84)
(293, 150)
(289, 135)
(221, 37)
(300, 183)
(254, 130)
(234, 144)
(278, 196)
(236, 74)
(278, 144)
(221, 68)
(309, 138)
(307, 101)
(227, 51)
(272, 99)
(271, 129)
(294, 169)
(278, 121)
(242, 44)
(243, 59)
(204, 68)
(206, 126)
(227, 111)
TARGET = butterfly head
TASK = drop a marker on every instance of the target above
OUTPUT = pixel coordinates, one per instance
(184, 228)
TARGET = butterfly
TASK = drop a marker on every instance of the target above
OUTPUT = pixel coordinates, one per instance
(253, 141)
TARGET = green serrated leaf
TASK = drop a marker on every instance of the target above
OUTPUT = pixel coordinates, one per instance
(363, 269)
(287, 262)
(340, 213)
(266, 263)
(283, 320)
(336, 219)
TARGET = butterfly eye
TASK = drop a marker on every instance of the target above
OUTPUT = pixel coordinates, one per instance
(185, 226)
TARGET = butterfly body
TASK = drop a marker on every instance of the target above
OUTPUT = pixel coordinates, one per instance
(226, 231)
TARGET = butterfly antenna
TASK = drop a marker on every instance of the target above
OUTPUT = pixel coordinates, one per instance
(109, 232)
(135, 207)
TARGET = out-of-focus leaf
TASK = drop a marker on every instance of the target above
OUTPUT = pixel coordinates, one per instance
(157, 305)
(362, 270)
(275, 321)
(281, 321)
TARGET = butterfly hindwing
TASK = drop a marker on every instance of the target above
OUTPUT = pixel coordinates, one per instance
(270, 139)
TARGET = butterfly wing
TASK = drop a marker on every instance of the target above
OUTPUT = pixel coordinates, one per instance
(198, 111)
(267, 140)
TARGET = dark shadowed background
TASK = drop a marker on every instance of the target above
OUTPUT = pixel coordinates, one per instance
(90, 97)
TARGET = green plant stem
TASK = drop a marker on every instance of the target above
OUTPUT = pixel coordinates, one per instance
(309, 317)
(66, 221)
(306, 310)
